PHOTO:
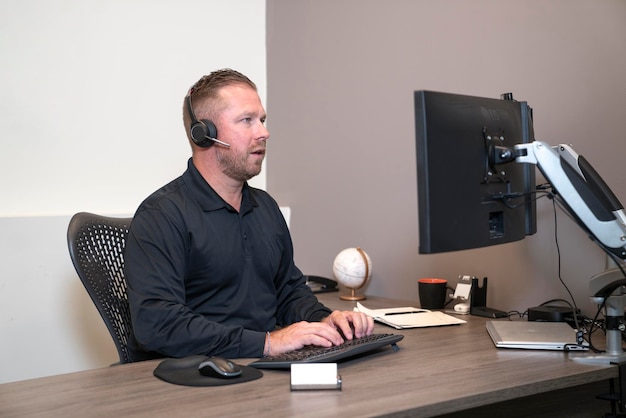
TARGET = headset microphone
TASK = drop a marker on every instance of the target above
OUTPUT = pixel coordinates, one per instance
(218, 141)
(202, 132)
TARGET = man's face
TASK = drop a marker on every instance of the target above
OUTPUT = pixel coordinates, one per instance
(241, 124)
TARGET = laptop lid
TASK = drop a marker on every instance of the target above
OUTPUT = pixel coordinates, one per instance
(534, 335)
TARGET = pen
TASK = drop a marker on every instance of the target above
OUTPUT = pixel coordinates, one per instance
(402, 313)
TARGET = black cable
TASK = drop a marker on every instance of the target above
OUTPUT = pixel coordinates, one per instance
(558, 253)
(509, 314)
(591, 330)
(506, 198)
(558, 300)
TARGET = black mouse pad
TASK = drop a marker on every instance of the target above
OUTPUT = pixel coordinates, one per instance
(184, 371)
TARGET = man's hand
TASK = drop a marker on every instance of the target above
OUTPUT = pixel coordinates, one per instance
(331, 331)
(351, 324)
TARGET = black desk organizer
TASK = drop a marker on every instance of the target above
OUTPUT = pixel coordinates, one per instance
(478, 301)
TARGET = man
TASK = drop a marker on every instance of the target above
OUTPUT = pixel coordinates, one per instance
(209, 260)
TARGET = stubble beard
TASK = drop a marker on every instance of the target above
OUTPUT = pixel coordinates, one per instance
(238, 168)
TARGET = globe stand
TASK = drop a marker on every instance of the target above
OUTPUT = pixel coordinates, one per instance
(353, 296)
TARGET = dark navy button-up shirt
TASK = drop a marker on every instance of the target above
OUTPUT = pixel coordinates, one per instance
(206, 279)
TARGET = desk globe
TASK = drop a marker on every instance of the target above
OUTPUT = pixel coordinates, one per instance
(352, 268)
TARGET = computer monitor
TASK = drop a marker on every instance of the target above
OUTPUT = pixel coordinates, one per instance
(465, 198)
(476, 157)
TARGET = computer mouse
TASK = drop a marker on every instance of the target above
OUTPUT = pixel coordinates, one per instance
(219, 367)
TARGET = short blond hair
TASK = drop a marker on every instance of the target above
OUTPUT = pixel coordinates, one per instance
(205, 93)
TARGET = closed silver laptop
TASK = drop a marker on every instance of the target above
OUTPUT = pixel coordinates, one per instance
(534, 335)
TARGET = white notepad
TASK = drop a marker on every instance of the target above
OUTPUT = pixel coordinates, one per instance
(533, 335)
(409, 317)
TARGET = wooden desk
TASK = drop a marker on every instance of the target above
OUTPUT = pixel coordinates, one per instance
(436, 371)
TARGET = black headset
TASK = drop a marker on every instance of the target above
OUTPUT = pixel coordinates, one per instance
(203, 132)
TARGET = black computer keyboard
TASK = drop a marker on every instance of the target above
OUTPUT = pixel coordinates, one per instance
(315, 354)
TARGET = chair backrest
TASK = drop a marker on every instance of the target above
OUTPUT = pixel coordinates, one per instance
(96, 245)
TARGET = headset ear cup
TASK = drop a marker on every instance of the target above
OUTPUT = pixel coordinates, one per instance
(201, 131)
(211, 129)
(197, 132)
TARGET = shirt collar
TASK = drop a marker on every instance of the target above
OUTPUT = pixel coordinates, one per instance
(207, 198)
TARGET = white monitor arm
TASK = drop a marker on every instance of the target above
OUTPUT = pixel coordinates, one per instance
(581, 189)
(598, 211)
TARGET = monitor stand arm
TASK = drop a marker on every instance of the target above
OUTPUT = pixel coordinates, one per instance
(586, 196)
(614, 317)
(590, 200)
(599, 213)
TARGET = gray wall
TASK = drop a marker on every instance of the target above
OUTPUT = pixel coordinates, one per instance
(341, 75)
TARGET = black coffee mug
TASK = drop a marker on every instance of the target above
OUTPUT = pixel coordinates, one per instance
(432, 293)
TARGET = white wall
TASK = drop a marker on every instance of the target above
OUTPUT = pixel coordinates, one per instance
(90, 120)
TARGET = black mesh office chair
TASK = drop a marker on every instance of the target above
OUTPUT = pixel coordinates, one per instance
(96, 245)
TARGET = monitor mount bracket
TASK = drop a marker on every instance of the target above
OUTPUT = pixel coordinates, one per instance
(497, 154)
(609, 289)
